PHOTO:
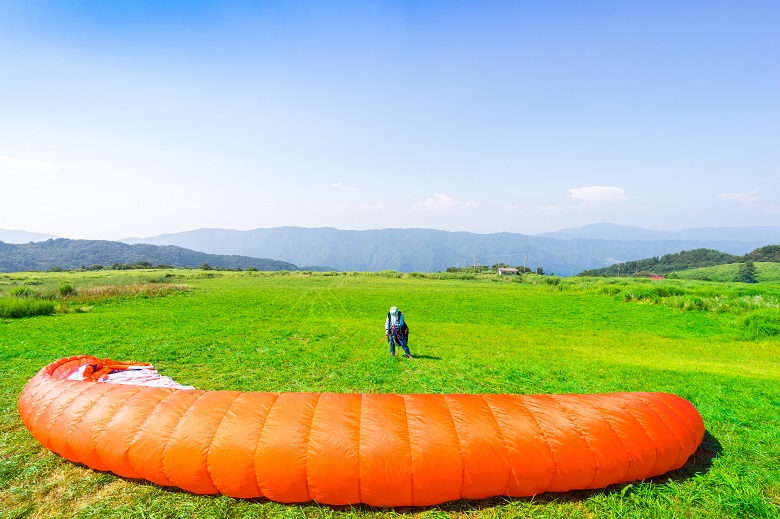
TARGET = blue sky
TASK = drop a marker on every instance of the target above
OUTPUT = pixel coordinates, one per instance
(137, 118)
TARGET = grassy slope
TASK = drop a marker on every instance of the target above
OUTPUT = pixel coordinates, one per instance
(325, 333)
(765, 272)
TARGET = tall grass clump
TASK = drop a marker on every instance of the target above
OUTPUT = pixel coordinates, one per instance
(762, 324)
(389, 274)
(668, 290)
(641, 294)
(690, 303)
(758, 301)
(15, 307)
(610, 290)
(100, 293)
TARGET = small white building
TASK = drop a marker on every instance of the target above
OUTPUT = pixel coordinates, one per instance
(507, 271)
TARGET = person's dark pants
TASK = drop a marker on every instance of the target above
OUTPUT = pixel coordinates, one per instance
(397, 339)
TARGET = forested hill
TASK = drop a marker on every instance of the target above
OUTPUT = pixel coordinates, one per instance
(685, 260)
(74, 254)
(768, 253)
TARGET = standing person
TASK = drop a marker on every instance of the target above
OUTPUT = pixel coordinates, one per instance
(396, 331)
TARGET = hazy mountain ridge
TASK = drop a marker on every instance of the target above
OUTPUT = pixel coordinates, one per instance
(74, 254)
(428, 250)
(403, 250)
(14, 236)
(608, 231)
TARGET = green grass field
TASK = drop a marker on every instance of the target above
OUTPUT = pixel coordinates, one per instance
(716, 344)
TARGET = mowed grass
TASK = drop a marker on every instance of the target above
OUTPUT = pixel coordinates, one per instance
(299, 332)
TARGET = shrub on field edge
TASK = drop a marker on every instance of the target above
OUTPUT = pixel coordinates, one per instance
(66, 289)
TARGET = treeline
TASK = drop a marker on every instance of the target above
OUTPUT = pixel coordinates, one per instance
(119, 266)
(64, 254)
(769, 253)
(484, 269)
(684, 260)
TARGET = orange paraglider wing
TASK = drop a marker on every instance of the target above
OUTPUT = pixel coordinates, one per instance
(378, 449)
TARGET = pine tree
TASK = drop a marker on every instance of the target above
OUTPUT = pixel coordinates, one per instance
(746, 273)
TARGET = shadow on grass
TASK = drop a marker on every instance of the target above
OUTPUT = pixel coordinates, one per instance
(699, 462)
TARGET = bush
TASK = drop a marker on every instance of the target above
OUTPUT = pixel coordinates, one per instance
(21, 292)
(66, 289)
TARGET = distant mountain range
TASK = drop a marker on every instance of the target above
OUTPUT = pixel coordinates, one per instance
(75, 254)
(425, 250)
(10, 236)
(608, 231)
(566, 252)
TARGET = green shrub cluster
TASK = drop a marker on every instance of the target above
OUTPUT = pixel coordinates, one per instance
(21, 292)
(66, 289)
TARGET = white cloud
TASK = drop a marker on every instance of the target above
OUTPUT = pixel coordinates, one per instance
(12, 166)
(346, 188)
(597, 194)
(554, 208)
(749, 201)
(442, 201)
(373, 207)
(748, 197)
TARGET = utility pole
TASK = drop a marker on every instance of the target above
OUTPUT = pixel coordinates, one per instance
(525, 255)
(475, 261)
